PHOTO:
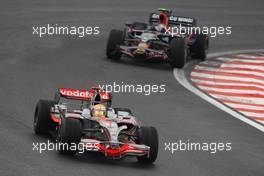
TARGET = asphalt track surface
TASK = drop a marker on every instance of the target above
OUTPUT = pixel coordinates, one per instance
(32, 67)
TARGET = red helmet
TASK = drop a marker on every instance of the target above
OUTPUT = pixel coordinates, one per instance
(163, 19)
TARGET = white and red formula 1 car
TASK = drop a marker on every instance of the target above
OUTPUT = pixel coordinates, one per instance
(115, 134)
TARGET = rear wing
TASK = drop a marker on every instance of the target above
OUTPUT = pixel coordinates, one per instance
(173, 20)
(87, 95)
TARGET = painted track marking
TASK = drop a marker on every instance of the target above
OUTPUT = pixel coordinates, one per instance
(238, 100)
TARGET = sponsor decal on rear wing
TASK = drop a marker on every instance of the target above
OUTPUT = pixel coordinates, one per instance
(84, 94)
(174, 20)
(77, 94)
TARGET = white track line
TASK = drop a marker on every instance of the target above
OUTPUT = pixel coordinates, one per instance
(250, 107)
(231, 77)
(233, 91)
(238, 98)
(179, 74)
(197, 81)
(226, 70)
(243, 60)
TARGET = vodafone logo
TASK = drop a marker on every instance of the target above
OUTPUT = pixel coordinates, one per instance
(76, 93)
(104, 96)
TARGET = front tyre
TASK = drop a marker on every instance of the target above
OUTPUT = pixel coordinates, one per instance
(198, 49)
(69, 136)
(42, 121)
(149, 137)
(177, 53)
(116, 38)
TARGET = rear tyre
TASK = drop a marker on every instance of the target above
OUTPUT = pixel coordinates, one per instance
(177, 53)
(149, 137)
(42, 121)
(116, 38)
(69, 136)
(198, 49)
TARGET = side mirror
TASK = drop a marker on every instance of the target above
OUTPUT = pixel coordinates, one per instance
(128, 24)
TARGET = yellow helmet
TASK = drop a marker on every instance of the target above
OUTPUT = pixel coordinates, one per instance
(99, 110)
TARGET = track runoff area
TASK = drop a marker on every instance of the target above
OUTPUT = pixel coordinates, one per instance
(232, 81)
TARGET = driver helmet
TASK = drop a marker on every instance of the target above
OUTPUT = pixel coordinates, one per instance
(162, 23)
(163, 20)
(99, 110)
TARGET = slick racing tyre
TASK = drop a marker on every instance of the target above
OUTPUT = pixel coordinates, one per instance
(69, 136)
(149, 137)
(116, 38)
(177, 53)
(42, 121)
(123, 110)
(198, 49)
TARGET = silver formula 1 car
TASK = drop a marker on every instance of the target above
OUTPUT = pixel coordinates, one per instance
(116, 134)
